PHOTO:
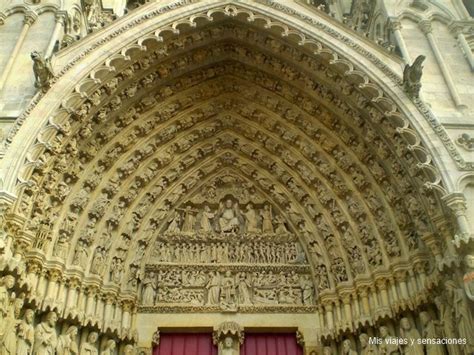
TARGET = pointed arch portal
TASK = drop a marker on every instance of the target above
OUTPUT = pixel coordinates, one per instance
(128, 162)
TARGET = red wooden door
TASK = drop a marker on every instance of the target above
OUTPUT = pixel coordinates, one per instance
(185, 344)
(270, 344)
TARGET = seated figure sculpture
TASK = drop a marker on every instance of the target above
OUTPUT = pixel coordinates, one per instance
(228, 217)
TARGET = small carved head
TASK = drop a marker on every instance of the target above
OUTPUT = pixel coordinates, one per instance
(346, 345)
(405, 323)
(469, 261)
(52, 318)
(92, 337)
(29, 315)
(425, 318)
(72, 331)
(110, 345)
(9, 281)
(228, 343)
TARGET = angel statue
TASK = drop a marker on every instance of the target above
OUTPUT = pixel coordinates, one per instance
(412, 77)
(42, 69)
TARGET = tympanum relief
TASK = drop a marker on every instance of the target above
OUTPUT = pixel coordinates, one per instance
(227, 249)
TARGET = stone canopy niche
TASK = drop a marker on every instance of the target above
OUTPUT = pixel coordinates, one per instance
(226, 248)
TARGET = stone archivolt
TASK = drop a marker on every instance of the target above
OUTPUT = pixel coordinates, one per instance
(298, 128)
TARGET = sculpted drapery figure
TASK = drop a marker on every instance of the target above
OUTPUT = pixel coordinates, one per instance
(46, 339)
(227, 347)
(26, 334)
(109, 348)
(189, 220)
(447, 322)
(267, 219)
(228, 288)
(8, 321)
(251, 220)
(243, 289)
(175, 221)
(387, 347)
(149, 289)
(228, 217)
(308, 290)
(206, 217)
(430, 332)
(67, 344)
(347, 348)
(462, 314)
(366, 348)
(89, 347)
(410, 333)
(468, 277)
(213, 288)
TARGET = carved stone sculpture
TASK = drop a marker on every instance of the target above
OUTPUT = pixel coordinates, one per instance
(89, 347)
(26, 334)
(430, 331)
(462, 314)
(149, 289)
(227, 347)
(228, 217)
(347, 348)
(46, 338)
(389, 344)
(267, 218)
(67, 344)
(129, 349)
(228, 337)
(251, 220)
(412, 77)
(214, 288)
(8, 320)
(42, 70)
(410, 333)
(468, 277)
(206, 217)
(109, 348)
(366, 348)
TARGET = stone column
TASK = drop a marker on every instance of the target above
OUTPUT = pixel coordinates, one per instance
(52, 288)
(427, 29)
(228, 337)
(29, 19)
(457, 203)
(457, 30)
(61, 17)
(396, 27)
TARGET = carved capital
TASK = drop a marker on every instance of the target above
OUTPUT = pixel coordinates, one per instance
(227, 329)
(425, 26)
(456, 202)
(61, 17)
(395, 25)
(30, 18)
(54, 275)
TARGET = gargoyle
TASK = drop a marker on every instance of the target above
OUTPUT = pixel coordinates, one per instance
(42, 69)
(412, 77)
